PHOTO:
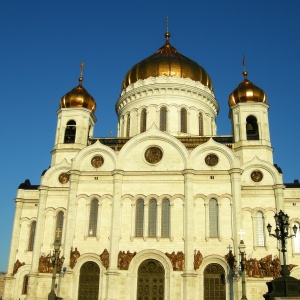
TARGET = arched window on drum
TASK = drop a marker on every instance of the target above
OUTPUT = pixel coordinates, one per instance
(143, 120)
(183, 120)
(163, 119)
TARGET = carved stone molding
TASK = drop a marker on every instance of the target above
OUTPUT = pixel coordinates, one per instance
(105, 258)
(177, 260)
(74, 255)
(124, 259)
(17, 265)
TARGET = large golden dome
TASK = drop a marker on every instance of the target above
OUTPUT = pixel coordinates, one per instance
(247, 92)
(78, 97)
(167, 61)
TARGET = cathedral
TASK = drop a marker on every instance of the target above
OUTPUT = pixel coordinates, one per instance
(168, 209)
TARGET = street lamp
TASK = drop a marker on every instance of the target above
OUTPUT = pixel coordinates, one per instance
(281, 234)
(54, 260)
(242, 249)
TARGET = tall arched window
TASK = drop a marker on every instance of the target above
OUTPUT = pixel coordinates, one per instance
(31, 235)
(297, 240)
(93, 217)
(152, 218)
(163, 119)
(213, 218)
(183, 120)
(139, 221)
(59, 226)
(214, 287)
(165, 218)
(128, 126)
(25, 285)
(260, 239)
(70, 132)
(200, 118)
(252, 128)
(143, 120)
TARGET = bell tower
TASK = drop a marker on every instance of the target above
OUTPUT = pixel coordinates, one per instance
(249, 119)
(75, 122)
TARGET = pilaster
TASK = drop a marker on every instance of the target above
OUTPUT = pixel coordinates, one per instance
(112, 290)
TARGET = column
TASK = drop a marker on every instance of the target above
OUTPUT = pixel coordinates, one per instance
(235, 178)
(38, 240)
(189, 236)
(15, 237)
(69, 232)
(112, 290)
(279, 199)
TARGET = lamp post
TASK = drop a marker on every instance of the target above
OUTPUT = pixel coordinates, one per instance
(55, 259)
(282, 234)
(242, 249)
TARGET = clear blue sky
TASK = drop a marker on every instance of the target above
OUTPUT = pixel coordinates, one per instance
(43, 42)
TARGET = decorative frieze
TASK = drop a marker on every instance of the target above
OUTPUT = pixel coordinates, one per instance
(177, 260)
(124, 259)
(46, 265)
(17, 265)
(198, 258)
(105, 258)
(74, 255)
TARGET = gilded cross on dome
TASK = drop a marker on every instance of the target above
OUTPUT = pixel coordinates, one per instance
(245, 73)
(82, 68)
(167, 34)
(81, 72)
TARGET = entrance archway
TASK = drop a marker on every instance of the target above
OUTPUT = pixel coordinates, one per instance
(214, 288)
(151, 280)
(89, 281)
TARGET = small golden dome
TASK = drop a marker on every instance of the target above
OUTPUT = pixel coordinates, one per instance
(78, 97)
(247, 92)
(167, 61)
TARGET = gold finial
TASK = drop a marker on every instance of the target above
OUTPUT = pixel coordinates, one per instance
(167, 34)
(81, 72)
(245, 73)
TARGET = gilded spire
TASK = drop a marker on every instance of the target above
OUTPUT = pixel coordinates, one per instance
(245, 73)
(81, 72)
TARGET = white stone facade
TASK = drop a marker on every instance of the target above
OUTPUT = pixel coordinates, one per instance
(181, 176)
